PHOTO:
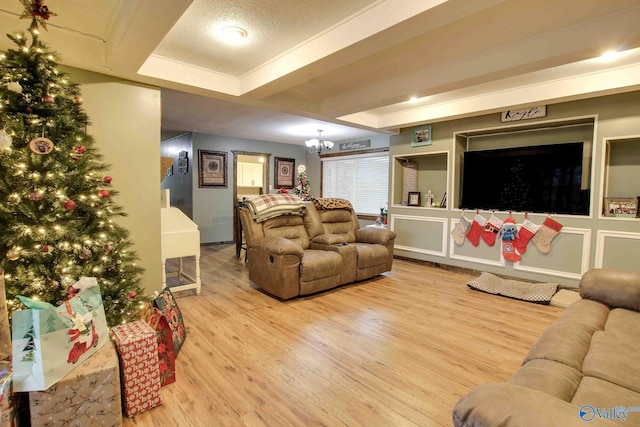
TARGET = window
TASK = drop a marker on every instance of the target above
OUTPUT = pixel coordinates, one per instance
(363, 179)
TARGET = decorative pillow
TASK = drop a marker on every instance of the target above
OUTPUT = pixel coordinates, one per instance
(332, 203)
(166, 303)
(540, 293)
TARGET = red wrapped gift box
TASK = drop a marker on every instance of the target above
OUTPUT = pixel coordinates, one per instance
(166, 352)
(138, 349)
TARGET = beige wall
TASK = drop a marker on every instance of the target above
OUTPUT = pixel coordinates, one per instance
(125, 123)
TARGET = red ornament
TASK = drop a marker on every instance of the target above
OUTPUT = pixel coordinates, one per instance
(28, 110)
(48, 99)
(45, 249)
(132, 294)
(103, 193)
(107, 179)
(80, 149)
(69, 205)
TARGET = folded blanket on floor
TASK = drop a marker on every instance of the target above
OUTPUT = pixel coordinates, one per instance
(269, 206)
(332, 203)
(540, 293)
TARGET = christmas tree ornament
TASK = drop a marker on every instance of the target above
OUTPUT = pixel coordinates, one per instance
(132, 294)
(103, 193)
(86, 253)
(545, 235)
(14, 87)
(36, 196)
(478, 224)
(46, 249)
(491, 230)
(527, 230)
(41, 145)
(5, 140)
(48, 99)
(107, 179)
(13, 254)
(460, 230)
(78, 100)
(80, 149)
(508, 234)
(109, 249)
(69, 205)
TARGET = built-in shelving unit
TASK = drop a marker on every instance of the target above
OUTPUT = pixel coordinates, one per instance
(428, 172)
(621, 178)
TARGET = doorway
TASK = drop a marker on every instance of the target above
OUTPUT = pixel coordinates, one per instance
(250, 179)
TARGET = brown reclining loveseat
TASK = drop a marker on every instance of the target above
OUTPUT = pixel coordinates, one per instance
(293, 254)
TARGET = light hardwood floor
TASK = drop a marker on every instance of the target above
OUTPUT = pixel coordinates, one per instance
(397, 350)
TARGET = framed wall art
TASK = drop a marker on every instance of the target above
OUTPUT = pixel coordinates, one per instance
(621, 207)
(284, 172)
(213, 169)
(421, 136)
(414, 198)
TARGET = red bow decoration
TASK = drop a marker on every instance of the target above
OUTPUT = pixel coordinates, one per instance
(37, 11)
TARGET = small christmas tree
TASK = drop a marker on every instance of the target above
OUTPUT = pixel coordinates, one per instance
(303, 186)
(56, 203)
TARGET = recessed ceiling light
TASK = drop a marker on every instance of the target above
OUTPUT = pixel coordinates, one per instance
(234, 34)
(609, 55)
(413, 99)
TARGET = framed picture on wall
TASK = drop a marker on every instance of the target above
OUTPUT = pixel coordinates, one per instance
(421, 136)
(213, 169)
(621, 207)
(284, 172)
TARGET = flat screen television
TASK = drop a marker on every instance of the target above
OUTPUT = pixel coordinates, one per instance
(542, 179)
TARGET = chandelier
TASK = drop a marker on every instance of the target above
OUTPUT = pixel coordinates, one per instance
(318, 145)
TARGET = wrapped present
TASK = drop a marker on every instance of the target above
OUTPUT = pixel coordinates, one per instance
(5, 332)
(88, 395)
(6, 407)
(166, 352)
(138, 350)
(166, 303)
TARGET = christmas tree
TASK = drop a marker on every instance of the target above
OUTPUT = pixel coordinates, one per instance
(303, 187)
(56, 202)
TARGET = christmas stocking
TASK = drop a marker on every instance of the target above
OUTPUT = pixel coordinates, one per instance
(476, 229)
(460, 230)
(546, 233)
(527, 230)
(491, 229)
(509, 233)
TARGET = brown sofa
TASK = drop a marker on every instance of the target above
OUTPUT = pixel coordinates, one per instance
(583, 370)
(293, 255)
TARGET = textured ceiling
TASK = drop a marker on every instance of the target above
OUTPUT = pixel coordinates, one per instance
(348, 67)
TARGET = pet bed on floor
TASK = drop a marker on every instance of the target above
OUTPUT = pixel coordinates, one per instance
(539, 293)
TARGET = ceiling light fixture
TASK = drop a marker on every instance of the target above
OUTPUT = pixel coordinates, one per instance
(234, 34)
(318, 145)
(609, 55)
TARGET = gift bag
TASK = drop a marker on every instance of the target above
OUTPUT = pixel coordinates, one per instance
(49, 341)
(166, 303)
(5, 333)
(166, 350)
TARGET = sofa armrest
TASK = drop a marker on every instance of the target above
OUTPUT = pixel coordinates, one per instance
(510, 405)
(329, 239)
(278, 246)
(615, 288)
(374, 235)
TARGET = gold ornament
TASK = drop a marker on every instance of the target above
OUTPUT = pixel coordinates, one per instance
(13, 254)
(5, 140)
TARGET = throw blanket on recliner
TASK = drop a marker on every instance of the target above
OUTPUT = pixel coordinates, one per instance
(269, 206)
(332, 203)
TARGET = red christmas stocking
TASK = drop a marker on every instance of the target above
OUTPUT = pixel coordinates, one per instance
(476, 229)
(491, 229)
(547, 232)
(526, 232)
(509, 233)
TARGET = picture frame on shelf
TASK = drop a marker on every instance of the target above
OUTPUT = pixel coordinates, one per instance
(621, 207)
(421, 136)
(284, 169)
(413, 198)
(212, 169)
